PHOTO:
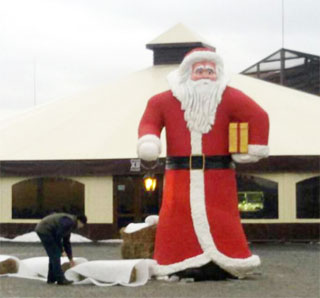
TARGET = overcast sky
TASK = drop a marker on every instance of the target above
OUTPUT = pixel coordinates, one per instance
(74, 45)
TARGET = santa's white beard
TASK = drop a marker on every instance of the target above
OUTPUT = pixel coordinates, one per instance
(199, 102)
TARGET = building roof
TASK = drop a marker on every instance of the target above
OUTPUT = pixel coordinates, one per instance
(177, 34)
(171, 46)
(103, 123)
(289, 68)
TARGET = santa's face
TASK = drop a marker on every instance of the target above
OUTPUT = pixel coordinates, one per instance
(199, 88)
(204, 70)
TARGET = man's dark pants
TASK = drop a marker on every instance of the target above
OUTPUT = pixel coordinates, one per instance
(53, 250)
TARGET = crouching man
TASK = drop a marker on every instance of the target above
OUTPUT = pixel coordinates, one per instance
(54, 232)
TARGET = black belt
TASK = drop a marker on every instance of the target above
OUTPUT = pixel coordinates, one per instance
(196, 162)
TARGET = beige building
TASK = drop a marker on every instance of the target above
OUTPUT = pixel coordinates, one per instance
(79, 155)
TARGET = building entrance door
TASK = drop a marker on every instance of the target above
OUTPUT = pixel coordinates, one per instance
(132, 203)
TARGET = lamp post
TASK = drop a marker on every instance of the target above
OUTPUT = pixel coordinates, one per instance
(150, 182)
(149, 179)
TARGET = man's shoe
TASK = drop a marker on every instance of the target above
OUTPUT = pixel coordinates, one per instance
(50, 282)
(64, 282)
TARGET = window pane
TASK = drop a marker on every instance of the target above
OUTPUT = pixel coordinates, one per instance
(36, 198)
(125, 194)
(294, 62)
(308, 198)
(258, 197)
(274, 65)
(290, 55)
(253, 69)
(275, 56)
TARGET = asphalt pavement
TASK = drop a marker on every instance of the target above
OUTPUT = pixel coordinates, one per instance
(289, 270)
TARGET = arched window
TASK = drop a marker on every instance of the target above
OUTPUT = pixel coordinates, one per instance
(258, 197)
(308, 198)
(38, 197)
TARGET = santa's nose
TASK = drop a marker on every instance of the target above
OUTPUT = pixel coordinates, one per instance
(207, 74)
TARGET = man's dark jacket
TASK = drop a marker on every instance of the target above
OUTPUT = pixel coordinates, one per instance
(58, 227)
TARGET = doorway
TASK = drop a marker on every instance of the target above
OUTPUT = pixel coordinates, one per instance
(132, 203)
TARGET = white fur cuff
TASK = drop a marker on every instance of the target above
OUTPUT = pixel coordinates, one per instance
(244, 158)
(149, 147)
(261, 151)
(255, 153)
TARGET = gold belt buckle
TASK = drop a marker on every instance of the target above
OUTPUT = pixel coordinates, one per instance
(203, 161)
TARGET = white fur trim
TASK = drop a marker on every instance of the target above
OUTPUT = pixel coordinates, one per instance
(244, 158)
(259, 150)
(149, 147)
(255, 153)
(196, 143)
(198, 210)
(235, 266)
(198, 56)
(173, 79)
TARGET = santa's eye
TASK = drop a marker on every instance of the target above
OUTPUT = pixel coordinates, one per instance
(210, 71)
(199, 70)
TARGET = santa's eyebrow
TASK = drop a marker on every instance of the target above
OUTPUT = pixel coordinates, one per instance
(200, 67)
(203, 67)
(209, 67)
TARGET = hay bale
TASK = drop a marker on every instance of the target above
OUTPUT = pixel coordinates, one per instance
(133, 276)
(65, 266)
(139, 244)
(9, 266)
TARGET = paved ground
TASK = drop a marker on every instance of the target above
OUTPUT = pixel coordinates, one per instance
(288, 271)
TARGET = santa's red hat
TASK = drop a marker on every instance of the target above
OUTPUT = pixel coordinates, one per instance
(198, 55)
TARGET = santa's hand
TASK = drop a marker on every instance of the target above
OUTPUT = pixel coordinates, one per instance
(255, 153)
(245, 158)
(148, 151)
(149, 147)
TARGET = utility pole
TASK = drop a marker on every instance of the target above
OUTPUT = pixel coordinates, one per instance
(34, 81)
(282, 53)
(282, 22)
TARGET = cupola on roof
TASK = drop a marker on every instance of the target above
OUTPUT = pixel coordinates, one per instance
(171, 46)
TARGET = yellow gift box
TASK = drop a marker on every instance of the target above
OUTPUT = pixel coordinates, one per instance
(238, 137)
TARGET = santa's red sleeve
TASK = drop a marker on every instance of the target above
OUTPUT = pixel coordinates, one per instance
(151, 124)
(243, 109)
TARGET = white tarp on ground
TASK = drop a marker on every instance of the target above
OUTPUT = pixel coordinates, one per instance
(101, 272)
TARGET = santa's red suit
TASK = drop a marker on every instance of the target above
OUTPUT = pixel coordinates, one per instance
(199, 220)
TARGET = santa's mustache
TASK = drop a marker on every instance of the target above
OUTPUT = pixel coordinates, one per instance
(203, 86)
(202, 82)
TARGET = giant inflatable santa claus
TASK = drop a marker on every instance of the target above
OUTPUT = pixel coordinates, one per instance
(199, 222)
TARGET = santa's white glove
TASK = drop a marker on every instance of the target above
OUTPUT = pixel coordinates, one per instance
(244, 158)
(149, 147)
(255, 153)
